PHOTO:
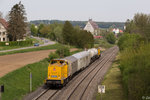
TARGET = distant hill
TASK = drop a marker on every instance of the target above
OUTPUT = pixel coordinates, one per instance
(82, 23)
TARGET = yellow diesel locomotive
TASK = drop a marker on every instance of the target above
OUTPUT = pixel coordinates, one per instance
(60, 71)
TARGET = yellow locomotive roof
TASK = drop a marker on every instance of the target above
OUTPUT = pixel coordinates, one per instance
(56, 65)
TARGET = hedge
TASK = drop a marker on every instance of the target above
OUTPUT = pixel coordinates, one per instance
(17, 43)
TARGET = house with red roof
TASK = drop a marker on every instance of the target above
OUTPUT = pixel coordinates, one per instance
(3, 30)
(116, 31)
(92, 27)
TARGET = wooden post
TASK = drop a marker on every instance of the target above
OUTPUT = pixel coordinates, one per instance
(30, 82)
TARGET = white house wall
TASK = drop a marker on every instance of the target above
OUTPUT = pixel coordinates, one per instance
(3, 33)
(89, 27)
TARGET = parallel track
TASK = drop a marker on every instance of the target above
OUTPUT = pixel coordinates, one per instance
(93, 74)
(49, 94)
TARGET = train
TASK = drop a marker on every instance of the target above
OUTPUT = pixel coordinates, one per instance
(60, 71)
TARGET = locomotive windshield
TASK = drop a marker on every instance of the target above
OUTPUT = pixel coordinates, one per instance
(61, 62)
(53, 61)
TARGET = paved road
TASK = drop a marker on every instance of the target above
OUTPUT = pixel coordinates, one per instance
(45, 44)
(12, 62)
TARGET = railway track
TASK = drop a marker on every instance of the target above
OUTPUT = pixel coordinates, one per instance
(80, 85)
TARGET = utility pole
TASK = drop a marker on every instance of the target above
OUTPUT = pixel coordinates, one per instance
(30, 82)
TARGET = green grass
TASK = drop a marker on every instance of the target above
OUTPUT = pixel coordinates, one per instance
(54, 46)
(113, 85)
(17, 82)
(11, 47)
(35, 40)
(102, 43)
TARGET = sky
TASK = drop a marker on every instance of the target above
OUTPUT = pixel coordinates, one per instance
(80, 10)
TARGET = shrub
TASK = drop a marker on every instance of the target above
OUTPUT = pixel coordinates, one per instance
(111, 38)
(63, 51)
(17, 43)
(128, 41)
(53, 56)
(135, 67)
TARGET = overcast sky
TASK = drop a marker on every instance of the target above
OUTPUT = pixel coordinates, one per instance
(98, 10)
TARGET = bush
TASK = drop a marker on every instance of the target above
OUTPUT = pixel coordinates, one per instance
(53, 56)
(128, 41)
(135, 68)
(102, 43)
(17, 43)
(111, 38)
(63, 51)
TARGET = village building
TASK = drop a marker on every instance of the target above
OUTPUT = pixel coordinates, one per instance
(92, 27)
(3, 30)
(116, 31)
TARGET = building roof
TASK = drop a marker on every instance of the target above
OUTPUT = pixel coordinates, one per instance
(94, 25)
(3, 22)
(120, 31)
(96, 37)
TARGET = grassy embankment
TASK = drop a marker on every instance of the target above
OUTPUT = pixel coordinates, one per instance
(17, 82)
(48, 47)
(135, 66)
(15, 47)
(102, 43)
(113, 84)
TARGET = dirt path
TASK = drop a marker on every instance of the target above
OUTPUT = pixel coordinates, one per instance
(12, 62)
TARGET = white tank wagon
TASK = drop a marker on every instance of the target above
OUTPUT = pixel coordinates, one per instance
(72, 65)
(83, 59)
(93, 54)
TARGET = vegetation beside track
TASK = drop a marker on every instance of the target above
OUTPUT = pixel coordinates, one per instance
(17, 82)
(134, 48)
(113, 84)
(102, 43)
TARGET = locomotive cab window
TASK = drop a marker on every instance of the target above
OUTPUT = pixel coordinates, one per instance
(53, 61)
(61, 62)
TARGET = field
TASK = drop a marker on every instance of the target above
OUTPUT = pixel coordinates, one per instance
(17, 82)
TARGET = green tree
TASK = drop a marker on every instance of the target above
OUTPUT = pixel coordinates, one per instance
(45, 30)
(39, 28)
(111, 38)
(63, 51)
(17, 25)
(34, 30)
(139, 25)
(67, 32)
(58, 34)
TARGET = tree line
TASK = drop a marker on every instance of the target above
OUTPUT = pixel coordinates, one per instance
(64, 33)
(82, 24)
(134, 46)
